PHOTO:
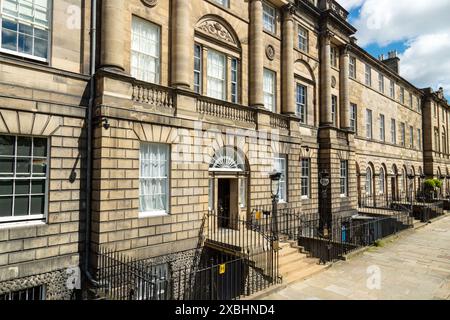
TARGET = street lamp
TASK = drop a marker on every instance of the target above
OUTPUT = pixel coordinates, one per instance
(411, 184)
(324, 180)
(275, 178)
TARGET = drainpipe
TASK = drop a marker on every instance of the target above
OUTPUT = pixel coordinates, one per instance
(89, 141)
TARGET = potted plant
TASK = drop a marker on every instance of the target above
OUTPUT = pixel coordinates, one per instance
(429, 186)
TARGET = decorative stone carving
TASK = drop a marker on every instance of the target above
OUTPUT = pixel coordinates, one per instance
(270, 52)
(150, 3)
(333, 82)
(215, 29)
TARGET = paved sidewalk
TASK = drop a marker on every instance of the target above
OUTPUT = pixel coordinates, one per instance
(416, 266)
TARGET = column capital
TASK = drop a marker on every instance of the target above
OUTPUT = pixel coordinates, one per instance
(327, 35)
(346, 48)
(288, 11)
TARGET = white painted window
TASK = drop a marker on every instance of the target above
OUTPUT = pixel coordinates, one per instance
(369, 179)
(242, 192)
(344, 178)
(352, 67)
(334, 56)
(411, 137)
(368, 75)
(303, 39)
(392, 89)
(419, 139)
(393, 131)
(382, 128)
(269, 90)
(216, 75)
(211, 194)
(234, 80)
(301, 102)
(23, 178)
(198, 61)
(402, 134)
(154, 179)
(223, 3)
(369, 124)
(381, 83)
(305, 177)
(26, 28)
(269, 18)
(281, 166)
(334, 106)
(382, 181)
(402, 95)
(411, 103)
(353, 117)
(145, 51)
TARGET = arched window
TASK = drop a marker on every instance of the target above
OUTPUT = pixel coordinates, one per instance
(382, 181)
(369, 179)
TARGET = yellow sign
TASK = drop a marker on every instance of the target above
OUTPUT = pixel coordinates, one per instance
(258, 215)
(222, 269)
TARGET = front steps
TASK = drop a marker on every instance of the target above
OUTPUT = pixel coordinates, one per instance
(294, 265)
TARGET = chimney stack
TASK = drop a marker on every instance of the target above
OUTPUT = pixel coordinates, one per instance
(392, 62)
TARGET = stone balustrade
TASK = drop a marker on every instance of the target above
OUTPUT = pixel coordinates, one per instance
(154, 95)
(278, 121)
(223, 109)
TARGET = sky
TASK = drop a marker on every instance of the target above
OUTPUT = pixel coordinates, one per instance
(419, 30)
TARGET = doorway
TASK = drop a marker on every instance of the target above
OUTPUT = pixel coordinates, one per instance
(394, 188)
(227, 202)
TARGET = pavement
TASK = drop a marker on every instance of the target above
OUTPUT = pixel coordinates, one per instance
(413, 267)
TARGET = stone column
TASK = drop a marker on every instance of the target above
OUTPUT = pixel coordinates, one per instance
(256, 48)
(344, 88)
(182, 44)
(325, 75)
(113, 35)
(288, 79)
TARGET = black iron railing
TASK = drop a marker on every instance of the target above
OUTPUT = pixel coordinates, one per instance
(218, 278)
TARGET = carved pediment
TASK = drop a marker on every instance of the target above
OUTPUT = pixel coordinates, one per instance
(217, 30)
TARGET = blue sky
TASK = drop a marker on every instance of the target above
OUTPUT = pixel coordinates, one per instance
(419, 30)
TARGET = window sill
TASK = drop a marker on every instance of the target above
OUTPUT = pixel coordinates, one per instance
(305, 198)
(24, 55)
(21, 224)
(154, 214)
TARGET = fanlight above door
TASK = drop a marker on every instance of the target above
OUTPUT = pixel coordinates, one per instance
(227, 159)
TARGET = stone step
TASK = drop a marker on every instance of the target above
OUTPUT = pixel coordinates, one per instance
(288, 251)
(304, 273)
(294, 267)
(291, 258)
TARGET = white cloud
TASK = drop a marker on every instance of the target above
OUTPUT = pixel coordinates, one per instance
(423, 25)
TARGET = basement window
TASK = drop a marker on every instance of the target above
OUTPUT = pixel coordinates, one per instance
(30, 294)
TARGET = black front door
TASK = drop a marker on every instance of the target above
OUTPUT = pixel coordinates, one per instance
(223, 203)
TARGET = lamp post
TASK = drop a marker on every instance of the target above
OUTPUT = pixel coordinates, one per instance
(411, 184)
(324, 180)
(275, 177)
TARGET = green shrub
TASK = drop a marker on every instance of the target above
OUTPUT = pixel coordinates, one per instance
(438, 183)
(430, 184)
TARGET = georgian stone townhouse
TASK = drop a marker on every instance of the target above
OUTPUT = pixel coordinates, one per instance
(185, 109)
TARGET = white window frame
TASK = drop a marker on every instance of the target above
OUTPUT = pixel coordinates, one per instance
(303, 39)
(419, 139)
(392, 89)
(334, 107)
(393, 131)
(334, 56)
(302, 103)
(198, 87)
(402, 134)
(280, 165)
(382, 182)
(369, 127)
(411, 137)
(402, 95)
(368, 75)
(353, 117)
(210, 78)
(234, 82)
(40, 26)
(154, 212)
(270, 94)
(382, 128)
(352, 67)
(243, 186)
(381, 82)
(269, 18)
(343, 179)
(137, 53)
(305, 178)
(369, 182)
(15, 177)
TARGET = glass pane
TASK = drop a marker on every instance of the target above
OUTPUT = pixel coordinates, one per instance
(40, 147)
(38, 204)
(39, 166)
(6, 146)
(23, 166)
(22, 187)
(38, 186)
(24, 146)
(9, 40)
(6, 187)
(40, 48)
(21, 206)
(6, 205)
(7, 165)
